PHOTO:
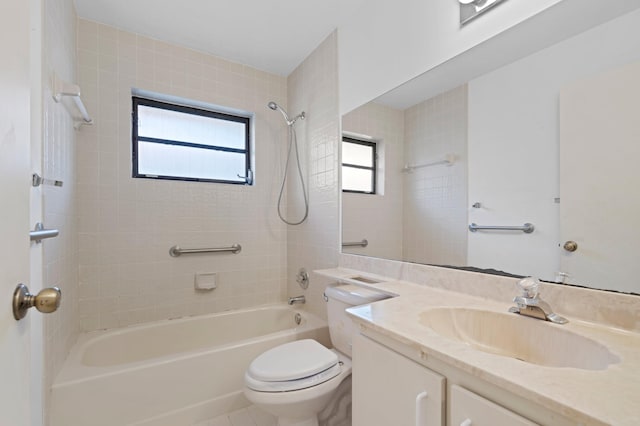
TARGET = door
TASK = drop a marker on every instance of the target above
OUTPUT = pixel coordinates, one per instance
(599, 179)
(15, 91)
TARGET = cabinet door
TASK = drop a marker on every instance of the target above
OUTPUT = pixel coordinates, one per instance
(469, 409)
(391, 390)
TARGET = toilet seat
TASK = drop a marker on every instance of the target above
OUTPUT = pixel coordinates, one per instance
(293, 366)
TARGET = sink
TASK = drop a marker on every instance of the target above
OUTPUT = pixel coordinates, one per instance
(530, 340)
(365, 280)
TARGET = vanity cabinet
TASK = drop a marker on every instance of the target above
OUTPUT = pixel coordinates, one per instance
(470, 409)
(390, 389)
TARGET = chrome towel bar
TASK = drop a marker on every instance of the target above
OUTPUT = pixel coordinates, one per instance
(62, 88)
(362, 243)
(448, 160)
(527, 228)
(40, 233)
(176, 251)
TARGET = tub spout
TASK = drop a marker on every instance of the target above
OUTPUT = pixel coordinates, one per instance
(297, 299)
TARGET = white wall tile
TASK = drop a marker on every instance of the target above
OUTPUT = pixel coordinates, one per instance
(127, 225)
(378, 218)
(313, 87)
(60, 255)
(435, 200)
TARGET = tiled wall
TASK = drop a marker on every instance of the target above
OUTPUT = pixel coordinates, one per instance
(60, 255)
(313, 87)
(435, 199)
(126, 226)
(378, 218)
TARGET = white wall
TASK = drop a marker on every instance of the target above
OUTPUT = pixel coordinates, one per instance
(387, 43)
(313, 88)
(126, 226)
(513, 145)
(377, 218)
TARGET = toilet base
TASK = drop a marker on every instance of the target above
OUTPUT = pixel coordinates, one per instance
(297, 422)
(300, 407)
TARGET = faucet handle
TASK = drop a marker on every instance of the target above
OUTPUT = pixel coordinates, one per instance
(529, 287)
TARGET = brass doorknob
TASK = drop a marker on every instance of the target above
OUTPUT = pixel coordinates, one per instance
(570, 246)
(46, 301)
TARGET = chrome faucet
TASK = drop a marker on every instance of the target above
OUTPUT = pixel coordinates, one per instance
(297, 299)
(529, 304)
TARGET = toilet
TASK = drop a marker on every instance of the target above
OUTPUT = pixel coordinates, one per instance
(296, 380)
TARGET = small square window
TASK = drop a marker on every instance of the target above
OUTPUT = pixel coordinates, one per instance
(358, 166)
(180, 142)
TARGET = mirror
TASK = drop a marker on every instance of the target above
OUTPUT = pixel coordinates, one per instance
(488, 152)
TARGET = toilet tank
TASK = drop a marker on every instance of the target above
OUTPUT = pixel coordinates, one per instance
(340, 298)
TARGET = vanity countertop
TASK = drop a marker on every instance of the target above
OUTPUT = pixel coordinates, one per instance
(609, 396)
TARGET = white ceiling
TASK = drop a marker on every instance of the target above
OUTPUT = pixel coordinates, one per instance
(271, 35)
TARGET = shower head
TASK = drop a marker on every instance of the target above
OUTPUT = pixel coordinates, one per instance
(274, 106)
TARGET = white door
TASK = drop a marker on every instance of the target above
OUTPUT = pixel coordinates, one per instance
(599, 179)
(15, 337)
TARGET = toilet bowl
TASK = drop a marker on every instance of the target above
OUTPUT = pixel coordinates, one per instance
(296, 380)
(296, 400)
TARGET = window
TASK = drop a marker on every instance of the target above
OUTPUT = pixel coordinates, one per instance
(358, 166)
(186, 143)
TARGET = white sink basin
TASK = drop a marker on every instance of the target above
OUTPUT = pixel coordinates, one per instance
(515, 336)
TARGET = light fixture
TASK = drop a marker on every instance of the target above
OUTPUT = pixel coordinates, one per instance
(470, 9)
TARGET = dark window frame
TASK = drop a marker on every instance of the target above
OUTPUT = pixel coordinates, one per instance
(141, 101)
(373, 168)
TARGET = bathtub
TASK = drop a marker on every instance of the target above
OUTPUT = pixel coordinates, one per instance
(173, 372)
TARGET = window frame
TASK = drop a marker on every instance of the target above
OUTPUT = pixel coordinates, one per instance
(373, 168)
(143, 101)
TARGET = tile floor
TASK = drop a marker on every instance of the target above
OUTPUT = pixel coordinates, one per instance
(250, 416)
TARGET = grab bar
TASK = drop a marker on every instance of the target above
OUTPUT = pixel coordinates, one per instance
(527, 228)
(40, 233)
(362, 243)
(176, 251)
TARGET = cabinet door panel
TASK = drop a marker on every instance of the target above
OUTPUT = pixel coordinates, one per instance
(469, 409)
(389, 389)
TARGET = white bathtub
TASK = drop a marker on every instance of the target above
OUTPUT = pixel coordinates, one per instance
(174, 372)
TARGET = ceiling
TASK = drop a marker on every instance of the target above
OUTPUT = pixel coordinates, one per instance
(270, 35)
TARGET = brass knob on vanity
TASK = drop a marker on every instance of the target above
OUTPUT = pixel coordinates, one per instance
(46, 301)
(570, 246)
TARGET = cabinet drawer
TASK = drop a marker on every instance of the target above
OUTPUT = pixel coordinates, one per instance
(469, 409)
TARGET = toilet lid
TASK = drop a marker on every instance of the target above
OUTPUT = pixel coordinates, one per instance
(293, 385)
(292, 361)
